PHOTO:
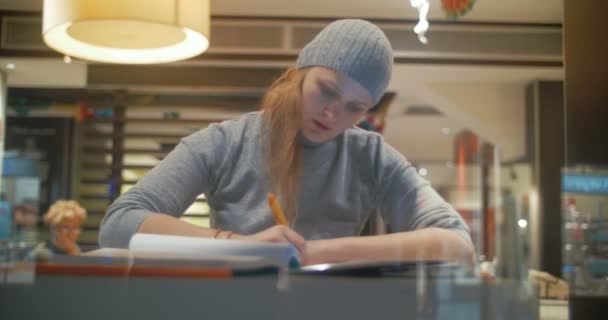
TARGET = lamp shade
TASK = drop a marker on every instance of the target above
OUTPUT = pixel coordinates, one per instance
(127, 31)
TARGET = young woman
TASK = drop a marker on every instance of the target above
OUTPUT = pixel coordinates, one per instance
(303, 146)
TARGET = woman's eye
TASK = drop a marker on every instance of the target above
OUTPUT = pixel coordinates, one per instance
(327, 91)
(354, 109)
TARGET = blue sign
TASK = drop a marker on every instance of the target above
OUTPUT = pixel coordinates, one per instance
(20, 167)
(5, 220)
(578, 183)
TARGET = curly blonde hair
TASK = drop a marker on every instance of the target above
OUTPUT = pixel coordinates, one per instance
(64, 210)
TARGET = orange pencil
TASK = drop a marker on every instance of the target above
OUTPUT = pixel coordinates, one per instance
(279, 217)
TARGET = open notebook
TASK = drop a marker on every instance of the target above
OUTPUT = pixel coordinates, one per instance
(243, 257)
(204, 251)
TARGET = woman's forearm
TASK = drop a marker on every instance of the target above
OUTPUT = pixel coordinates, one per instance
(164, 224)
(424, 244)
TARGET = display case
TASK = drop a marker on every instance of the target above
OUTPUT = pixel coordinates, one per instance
(585, 237)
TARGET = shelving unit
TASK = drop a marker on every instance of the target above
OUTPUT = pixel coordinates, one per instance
(118, 149)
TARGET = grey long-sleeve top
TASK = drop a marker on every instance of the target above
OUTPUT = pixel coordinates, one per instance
(343, 180)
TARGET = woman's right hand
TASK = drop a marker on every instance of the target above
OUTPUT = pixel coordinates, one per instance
(278, 234)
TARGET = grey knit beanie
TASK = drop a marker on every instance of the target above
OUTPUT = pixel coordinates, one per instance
(357, 49)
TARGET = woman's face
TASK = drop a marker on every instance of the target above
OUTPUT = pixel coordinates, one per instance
(331, 103)
(68, 230)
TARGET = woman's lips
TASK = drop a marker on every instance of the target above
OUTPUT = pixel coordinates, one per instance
(320, 125)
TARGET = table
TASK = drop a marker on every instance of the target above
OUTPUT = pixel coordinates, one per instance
(292, 296)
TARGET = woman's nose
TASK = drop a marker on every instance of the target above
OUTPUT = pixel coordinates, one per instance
(330, 111)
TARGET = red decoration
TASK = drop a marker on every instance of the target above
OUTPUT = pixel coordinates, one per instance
(85, 112)
(457, 8)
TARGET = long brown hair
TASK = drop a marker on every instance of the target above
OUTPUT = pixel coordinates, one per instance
(281, 126)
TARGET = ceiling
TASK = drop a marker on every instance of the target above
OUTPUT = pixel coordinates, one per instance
(543, 11)
(420, 139)
(536, 11)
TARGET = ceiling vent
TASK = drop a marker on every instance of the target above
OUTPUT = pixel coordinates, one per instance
(422, 110)
(22, 33)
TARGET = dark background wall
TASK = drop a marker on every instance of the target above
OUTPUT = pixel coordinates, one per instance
(586, 84)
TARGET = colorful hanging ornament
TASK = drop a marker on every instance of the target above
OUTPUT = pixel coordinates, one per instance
(455, 9)
(375, 120)
(372, 123)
